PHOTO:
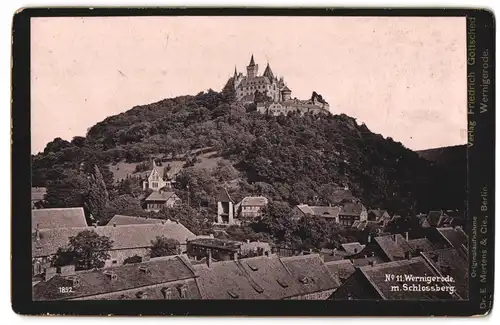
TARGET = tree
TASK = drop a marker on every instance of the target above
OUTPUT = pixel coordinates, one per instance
(163, 246)
(124, 205)
(86, 250)
(98, 197)
(69, 191)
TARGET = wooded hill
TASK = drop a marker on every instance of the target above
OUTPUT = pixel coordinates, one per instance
(295, 159)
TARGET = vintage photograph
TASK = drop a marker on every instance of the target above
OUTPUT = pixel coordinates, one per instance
(249, 157)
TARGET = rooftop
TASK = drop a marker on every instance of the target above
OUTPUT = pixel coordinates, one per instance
(319, 211)
(353, 248)
(123, 237)
(224, 244)
(264, 277)
(417, 267)
(421, 243)
(340, 270)
(58, 218)
(161, 196)
(254, 201)
(121, 220)
(129, 276)
(394, 247)
(353, 209)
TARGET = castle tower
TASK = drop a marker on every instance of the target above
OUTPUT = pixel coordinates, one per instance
(225, 208)
(252, 69)
(269, 73)
(286, 93)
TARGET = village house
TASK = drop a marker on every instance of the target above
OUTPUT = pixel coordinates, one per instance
(224, 249)
(225, 208)
(380, 216)
(266, 277)
(38, 197)
(163, 278)
(327, 213)
(58, 218)
(351, 212)
(128, 241)
(370, 282)
(251, 207)
(437, 219)
(159, 179)
(161, 199)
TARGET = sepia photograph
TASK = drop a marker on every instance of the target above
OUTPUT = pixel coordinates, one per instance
(249, 158)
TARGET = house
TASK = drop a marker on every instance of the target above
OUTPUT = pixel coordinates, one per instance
(225, 208)
(266, 277)
(325, 212)
(158, 179)
(437, 219)
(394, 247)
(351, 212)
(251, 207)
(164, 278)
(340, 270)
(450, 262)
(352, 248)
(58, 218)
(372, 282)
(128, 241)
(421, 245)
(120, 220)
(378, 215)
(224, 249)
(38, 197)
(158, 200)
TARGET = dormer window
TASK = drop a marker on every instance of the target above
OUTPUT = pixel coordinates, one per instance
(145, 270)
(182, 291)
(282, 283)
(303, 279)
(141, 295)
(167, 293)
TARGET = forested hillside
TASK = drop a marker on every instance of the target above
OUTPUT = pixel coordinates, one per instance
(294, 159)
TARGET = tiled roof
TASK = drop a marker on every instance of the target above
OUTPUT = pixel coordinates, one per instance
(286, 89)
(120, 220)
(456, 237)
(450, 262)
(367, 261)
(365, 225)
(224, 196)
(123, 237)
(376, 276)
(394, 246)
(436, 219)
(129, 276)
(311, 268)
(161, 196)
(58, 218)
(38, 193)
(421, 243)
(264, 278)
(352, 209)
(353, 248)
(225, 244)
(340, 269)
(254, 201)
(377, 212)
(319, 211)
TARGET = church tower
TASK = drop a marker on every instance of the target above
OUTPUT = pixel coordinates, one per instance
(252, 69)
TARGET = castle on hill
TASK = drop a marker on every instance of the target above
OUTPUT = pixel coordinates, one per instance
(271, 93)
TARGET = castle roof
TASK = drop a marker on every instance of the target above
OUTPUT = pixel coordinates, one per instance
(252, 62)
(286, 90)
(268, 72)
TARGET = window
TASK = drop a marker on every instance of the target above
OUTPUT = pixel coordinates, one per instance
(114, 261)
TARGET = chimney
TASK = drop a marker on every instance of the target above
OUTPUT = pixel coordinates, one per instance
(209, 258)
(248, 241)
(114, 224)
(372, 263)
(235, 256)
(211, 236)
(407, 237)
(373, 254)
(334, 252)
(369, 238)
(395, 238)
(37, 232)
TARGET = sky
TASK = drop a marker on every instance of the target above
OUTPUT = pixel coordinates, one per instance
(404, 77)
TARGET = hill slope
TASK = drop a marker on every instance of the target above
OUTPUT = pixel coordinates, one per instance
(287, 158)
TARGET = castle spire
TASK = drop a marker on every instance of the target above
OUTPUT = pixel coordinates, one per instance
(252, 62)
(235, 72)
(268, 72)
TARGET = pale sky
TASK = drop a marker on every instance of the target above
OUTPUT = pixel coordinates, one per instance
(404, 77)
